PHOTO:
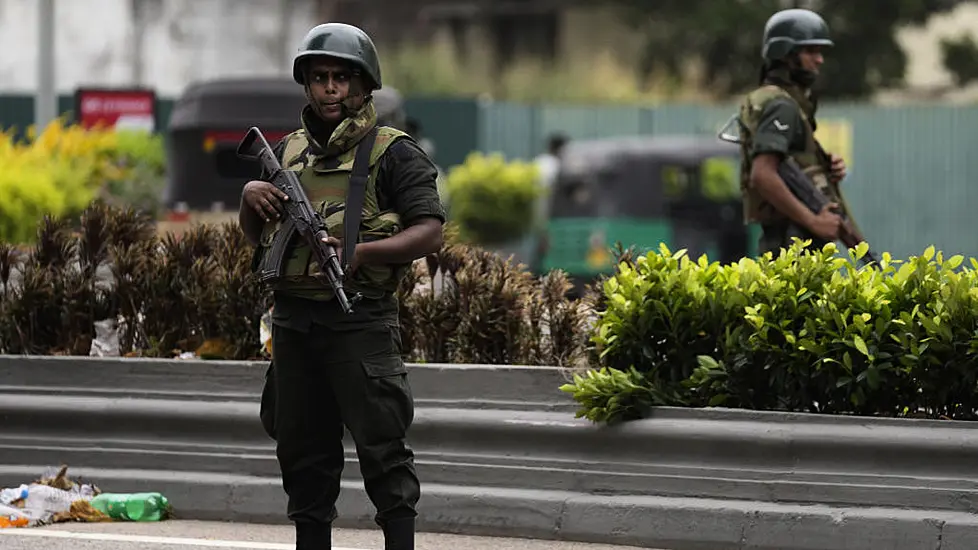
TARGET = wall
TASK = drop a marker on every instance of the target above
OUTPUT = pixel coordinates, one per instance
(163, 44)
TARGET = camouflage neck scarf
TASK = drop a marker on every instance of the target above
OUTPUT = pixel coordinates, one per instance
(781, 76)
(347, 134)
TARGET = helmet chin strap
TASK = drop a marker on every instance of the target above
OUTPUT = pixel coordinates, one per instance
(346, 104)
(802, 76)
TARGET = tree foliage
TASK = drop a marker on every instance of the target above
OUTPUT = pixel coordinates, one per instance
(960, 56)
(726, 38)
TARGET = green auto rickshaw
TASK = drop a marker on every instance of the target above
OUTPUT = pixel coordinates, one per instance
(641, 191)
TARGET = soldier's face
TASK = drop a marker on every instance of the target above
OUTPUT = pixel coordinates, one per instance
(330, 82)
(810, 58)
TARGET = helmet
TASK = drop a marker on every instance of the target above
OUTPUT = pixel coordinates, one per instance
(788, 29)
(341, 41)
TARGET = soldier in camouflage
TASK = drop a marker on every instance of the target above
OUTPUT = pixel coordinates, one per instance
(329, 368)
(778, 121)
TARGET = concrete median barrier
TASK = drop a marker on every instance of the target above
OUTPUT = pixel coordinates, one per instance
(500, 452)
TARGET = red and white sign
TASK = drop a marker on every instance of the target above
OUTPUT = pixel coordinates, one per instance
(128, 109)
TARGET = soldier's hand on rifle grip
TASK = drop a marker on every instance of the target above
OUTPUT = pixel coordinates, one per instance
(838, 169)
(338, 246)
(826, 224)
(265, 199)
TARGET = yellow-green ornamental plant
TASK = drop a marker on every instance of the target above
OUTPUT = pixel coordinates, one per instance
(492, 200)
(59, 172)
(806, 331)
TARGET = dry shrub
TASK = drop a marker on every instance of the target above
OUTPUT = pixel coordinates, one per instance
(194, 292)
(468, 305)
(168, 295)
(164, 296)
(52, 308)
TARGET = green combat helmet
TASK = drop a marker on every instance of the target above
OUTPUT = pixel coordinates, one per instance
(341, 41)
(788, 29)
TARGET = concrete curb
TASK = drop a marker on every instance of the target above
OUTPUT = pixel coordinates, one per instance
(463, 386)
(648, 521)
(516, 462)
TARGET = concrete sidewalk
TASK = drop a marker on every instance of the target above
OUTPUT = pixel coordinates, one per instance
(193, 535)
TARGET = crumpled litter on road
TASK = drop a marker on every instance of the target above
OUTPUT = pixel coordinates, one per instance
(265, 330)
(105, 343)
(55, 498)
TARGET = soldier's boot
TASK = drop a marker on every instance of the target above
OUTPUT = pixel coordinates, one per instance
(313, 536)
(399, 534)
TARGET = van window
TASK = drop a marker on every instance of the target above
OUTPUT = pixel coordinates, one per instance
(629, 190)
(721, 178)
(715, 179)
(678, 181)
(229, 165)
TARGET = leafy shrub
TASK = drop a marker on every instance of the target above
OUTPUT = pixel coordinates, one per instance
(142, 178)
(168, 295)
(60, 171)
(53, 174)
(492, 200)
(806, 331)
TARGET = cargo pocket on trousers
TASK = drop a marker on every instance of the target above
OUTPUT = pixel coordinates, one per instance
(391, 404)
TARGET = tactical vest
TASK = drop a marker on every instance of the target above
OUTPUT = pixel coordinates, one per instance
(327, 186)
(756, 209)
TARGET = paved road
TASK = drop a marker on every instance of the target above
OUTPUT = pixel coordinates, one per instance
(192, 535)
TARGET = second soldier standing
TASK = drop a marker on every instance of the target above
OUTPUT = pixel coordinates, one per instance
(778, 120)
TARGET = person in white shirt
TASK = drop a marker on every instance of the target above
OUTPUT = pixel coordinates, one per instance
(549, 165)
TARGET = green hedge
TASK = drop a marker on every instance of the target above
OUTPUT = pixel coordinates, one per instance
(492, 200)
(806, 331)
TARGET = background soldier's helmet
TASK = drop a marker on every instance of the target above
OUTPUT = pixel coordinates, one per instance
(789, 29)
(344, 42)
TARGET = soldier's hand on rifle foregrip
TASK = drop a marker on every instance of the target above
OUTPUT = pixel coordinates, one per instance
(826, 224)
(265, 199)
(338, 245)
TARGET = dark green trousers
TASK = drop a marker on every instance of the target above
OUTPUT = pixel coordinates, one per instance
(322, 379)
(775, 236)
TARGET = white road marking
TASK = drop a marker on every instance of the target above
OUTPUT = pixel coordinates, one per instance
(209, 543)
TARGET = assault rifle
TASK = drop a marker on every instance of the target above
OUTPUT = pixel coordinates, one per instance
(802, 187)
(301, 218)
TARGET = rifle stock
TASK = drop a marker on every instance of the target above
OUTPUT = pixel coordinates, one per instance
(302, 218)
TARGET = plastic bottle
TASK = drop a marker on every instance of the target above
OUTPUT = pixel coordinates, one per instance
(8, 522)
(9, 495)
(132, 507)
(13, 517)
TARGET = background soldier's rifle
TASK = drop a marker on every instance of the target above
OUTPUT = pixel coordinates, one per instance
(804, 189)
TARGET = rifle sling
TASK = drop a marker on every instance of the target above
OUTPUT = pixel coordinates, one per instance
(355, 195)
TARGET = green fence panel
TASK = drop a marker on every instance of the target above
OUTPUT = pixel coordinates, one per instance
(912, 176)
(452, 124)
(588, 122)
(912, 168)
(686, 119)
(509, 128)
